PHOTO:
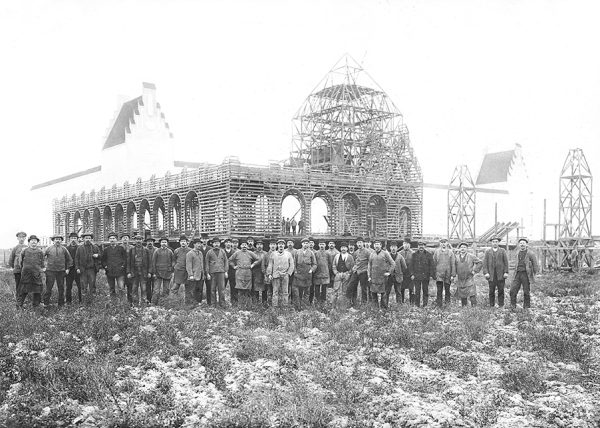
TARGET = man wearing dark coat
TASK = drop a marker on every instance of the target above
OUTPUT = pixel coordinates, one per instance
(305, 264)
(216, 268)
(138, 269)
(14, 261)
(128, 281)
(87, 263)
(380, 267)
(229, 251)
(150, 282)
(162, 270)
(72, 276)
(58, 261)
(422, 269)
(179, 269)
(407, 283)
(525, 272)
(495, 270)
(32, 269)
(114, 261)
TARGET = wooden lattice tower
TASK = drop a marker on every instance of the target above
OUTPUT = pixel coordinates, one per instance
(575, 205)
(461, 205)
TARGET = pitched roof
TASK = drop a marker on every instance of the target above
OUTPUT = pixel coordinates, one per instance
(495, 167)
(67, 177)
(124, 119)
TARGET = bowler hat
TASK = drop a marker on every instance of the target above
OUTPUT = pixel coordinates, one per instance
(258, 241)
(216, 239)
(280, 240)
(463, 243)
(495, 238)
(204, 235)
(150, 239)
(163, 238)
(73, 235)
(21, 234)
(304, 240)
(249, 239)
(90, 234)
(360, 239)
(522, 238)
(196, 241)
(33, 237)
(343, 244)
(112, 234)
(183, 238)
(53, 237)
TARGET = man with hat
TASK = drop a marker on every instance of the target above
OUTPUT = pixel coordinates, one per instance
(525, 272)
(72, 276)
(150, 282)
(87, 263)
(125, 238)
(250, 241)
(242, 261)
(258, 274)
(445, 271)
(421, 270)
(467, 265)
(114, 261)
(229, 251)
(163, 261)
(205, 284)
(359, 274)
(179, 269)
(321, 276)
(14, 260)
(379, 268)
(58, 261)
(290, 249)
(495, 270)
(138, 269)
(342, 270)
(281, 266)
(407, 283)
(32, 267)
(216, 266)
(396, 279)
(293, 225)
(265, 266)
(194, 264)
(332, 251)
(305, 263)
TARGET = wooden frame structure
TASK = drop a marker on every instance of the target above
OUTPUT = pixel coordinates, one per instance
(461, 205)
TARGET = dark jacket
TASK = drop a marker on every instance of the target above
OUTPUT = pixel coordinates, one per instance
(421, 265)
(138, 262)
(15, 257)
(114, 260)
(162, 263)
(501, 263)
(84, 259)
(216, 261)
(58, 258)
(72, 249)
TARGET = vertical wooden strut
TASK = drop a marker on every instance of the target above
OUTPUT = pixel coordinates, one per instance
(461, 205)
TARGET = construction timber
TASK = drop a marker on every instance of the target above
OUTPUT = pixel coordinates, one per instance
(350, 148)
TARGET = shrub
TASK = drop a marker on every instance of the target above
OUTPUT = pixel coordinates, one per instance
(523, 376)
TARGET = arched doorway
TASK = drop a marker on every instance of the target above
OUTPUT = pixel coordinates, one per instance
(174, 214)
(159, 215)
(350, 215)
(292, 208)
(86, 221)
(68, 226)
(77, 223)
(96, 228)
(377, 217)
(108, 220)
(132, 218)
(192, 213)
(404, 222)
(119, 221)
(321, 208)
(146, 217)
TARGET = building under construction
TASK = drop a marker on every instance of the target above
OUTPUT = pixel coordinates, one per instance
(350, 148)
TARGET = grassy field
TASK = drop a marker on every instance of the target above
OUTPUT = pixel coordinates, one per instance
(111, 366)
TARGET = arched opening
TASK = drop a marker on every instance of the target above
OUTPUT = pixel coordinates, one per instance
(132, 219)
(192, 214)
(404, 222)
(96, 220)
(68, 226)
(159, 215)
(86, 221)
(58, 225)
(292, 205)
(77, 223)
(145, 215)
(174, 214)
(350, 215)
(321, 208)
(377, 217)
(261, 210)
(119, 220)
(108, 220)
(219, 217)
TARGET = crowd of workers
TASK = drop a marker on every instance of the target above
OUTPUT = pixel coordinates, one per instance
(272, 273)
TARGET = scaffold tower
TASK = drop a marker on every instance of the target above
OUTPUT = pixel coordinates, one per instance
(461, 205)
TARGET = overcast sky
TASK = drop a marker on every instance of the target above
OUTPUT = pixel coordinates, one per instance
(468, 76)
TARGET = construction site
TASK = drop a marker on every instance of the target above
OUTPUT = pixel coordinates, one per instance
(351, 151)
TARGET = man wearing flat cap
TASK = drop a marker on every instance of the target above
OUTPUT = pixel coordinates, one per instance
(379, 268)
(242, 261)
(495, 270)
(138, 269)
(32, 269)
(281, 266)
(179, 269)
(467, 265)
(216, 266)
(445, 271)
(407, 283)
(163, 261)
(205, 283)
(359, 274)
(58, 261)
(72, 276)
(125, 238)
(194, 263)
(525, 272)
(321, 276)
(259, 287)
(305, 263)
(87, 264)
(342, 270)
(114, 261)
(14, 261)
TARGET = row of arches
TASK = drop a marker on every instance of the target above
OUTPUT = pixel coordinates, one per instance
(345, 215)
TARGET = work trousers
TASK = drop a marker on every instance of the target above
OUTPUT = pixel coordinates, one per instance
(138, 290)
(319, 291)
(392, 283)
(233, 293)
(149, 287)
(445, 288)
(160, 289)
(17, 281)
(36, 298)
(408, 284)
(464, 301)
(353, 287)
(115, 284)
(379, 300)
(521, 279)
(73, 276)
(53, 276)
(421, 285)
(88, 283)
(280, 291)
(215, 286)
(193, 291)
(129, 284)
(299, 294)
(496, 284)
(264, 298)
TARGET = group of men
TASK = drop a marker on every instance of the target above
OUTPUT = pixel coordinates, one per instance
(292, 227)
(277, 275)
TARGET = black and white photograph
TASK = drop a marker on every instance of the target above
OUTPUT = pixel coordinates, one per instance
(337, 213)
